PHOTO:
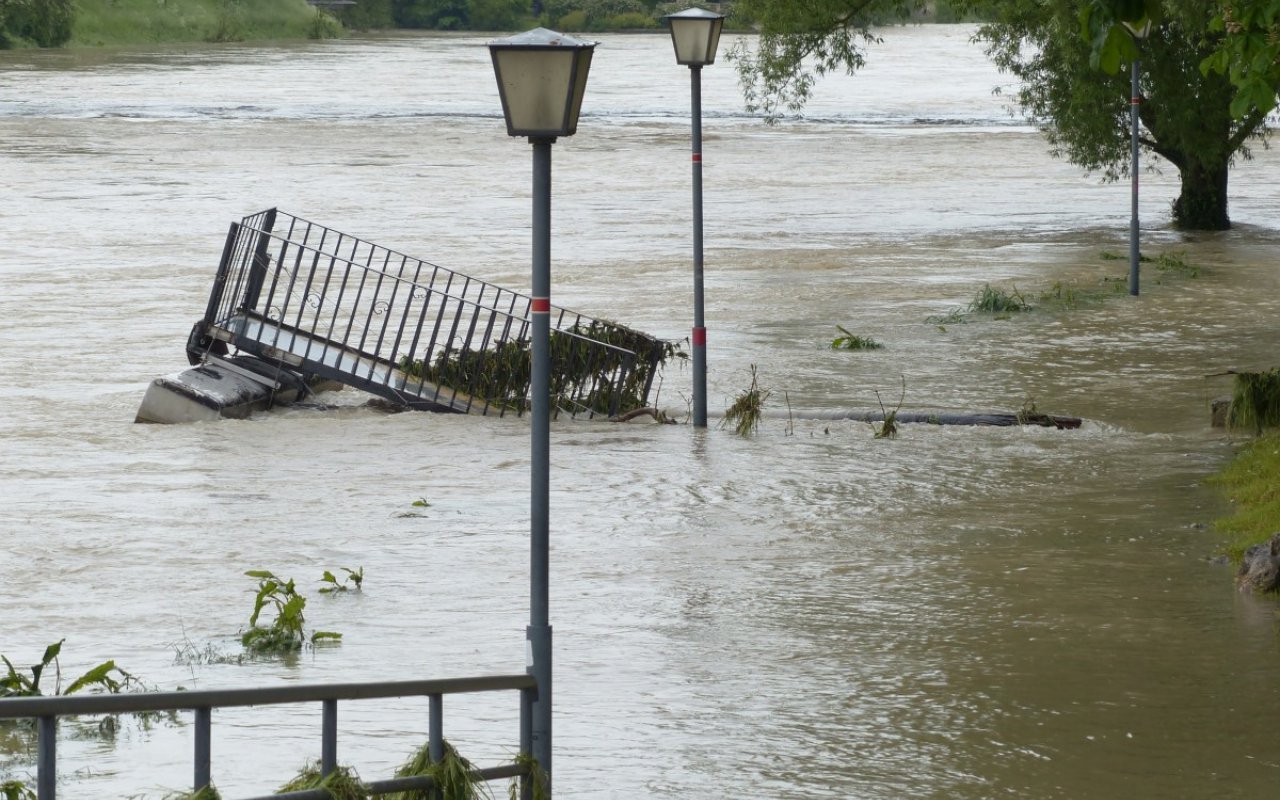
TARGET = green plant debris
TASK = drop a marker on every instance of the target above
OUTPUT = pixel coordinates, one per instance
(352, 581)
(1255, 401)
(16, 790)
(1252, 483)
(600, 368)
(287, 632)
(851, 341)
(537, 778)
(991, 300)
(745, 413)
(888, 428)
(106, 676)
(203, 793)
(453, 776)
(341, 784)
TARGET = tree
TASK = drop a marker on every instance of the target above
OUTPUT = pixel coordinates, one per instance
(1067, 54)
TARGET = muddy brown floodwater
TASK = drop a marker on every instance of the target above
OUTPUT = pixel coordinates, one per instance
(810, 612)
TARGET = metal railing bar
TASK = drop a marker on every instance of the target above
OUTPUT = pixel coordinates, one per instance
(70, 705)
(392, 785)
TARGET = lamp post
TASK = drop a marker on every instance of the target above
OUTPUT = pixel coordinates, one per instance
(1139, 33)
(542, 76)
(695, 33)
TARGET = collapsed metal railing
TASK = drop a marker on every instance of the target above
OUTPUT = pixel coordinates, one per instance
(47, 710)
(341, 308)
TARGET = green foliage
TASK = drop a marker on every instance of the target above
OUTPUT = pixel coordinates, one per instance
(116, 22)
(452, 775)
(287, 631)
(1192, 117)
(1252, 483)
(747, 409)
(341, 784)
(1000, 302)
(850, 341)
(106, 676)
(600, 368)
(203, 793)
(324, 25)
(1084, 110)
(353, 576)
(44, 23)
(1255, 401)
(455, 15)
(16, 790)
(889, 422)
(539, 784)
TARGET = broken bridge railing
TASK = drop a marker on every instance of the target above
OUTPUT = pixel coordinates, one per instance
(341, 308)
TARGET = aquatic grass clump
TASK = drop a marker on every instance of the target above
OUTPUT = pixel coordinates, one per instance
(341, 784)
(1252, 483)
(16, 790)
(745, 413)
(1255, 401)
(452, 775)
(991, 300)
(852, 341)
(287, 632)
(203, 793)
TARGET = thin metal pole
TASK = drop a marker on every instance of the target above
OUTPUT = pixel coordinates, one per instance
(203, 754)
(699, 323)
(47, 758)
(435, 729)
(526, 738)
(539, 632)
(329, 737)
(1134, 102)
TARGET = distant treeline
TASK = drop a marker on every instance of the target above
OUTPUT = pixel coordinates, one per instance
(53, 23)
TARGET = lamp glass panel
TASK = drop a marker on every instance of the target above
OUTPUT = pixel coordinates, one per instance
(536, 85)
(579, 88)
(690, 39)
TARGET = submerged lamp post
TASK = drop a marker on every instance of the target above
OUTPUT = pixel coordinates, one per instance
(1139, 32)
(695, 33)
(542, 76)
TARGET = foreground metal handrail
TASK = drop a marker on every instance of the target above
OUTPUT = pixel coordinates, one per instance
(46, 711)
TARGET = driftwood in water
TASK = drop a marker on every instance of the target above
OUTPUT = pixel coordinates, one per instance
(997, 418)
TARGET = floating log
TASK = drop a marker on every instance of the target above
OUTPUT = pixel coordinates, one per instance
(997, 418)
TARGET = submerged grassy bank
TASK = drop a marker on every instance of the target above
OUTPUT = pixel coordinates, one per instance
(1252, 482)
(122, 22)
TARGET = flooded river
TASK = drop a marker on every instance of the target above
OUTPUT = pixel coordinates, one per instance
(809, 612)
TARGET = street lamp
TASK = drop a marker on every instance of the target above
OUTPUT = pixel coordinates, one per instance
(695, 33)
(1139, 32)
(542, 76)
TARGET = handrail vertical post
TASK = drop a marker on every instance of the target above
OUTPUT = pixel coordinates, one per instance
(526, 740)
(203, 760)
(435, 730)
(329, 737)
(47, 758)
(258, 266)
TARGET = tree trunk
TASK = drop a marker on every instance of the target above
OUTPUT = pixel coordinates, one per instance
(1202, 205)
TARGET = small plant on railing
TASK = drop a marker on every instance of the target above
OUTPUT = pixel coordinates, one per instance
(537, 777)
(745, 413)
(341, 784)
(452, 776)
(106, 676)
(16, 790)
(852, 341)
(355, 577)
(287, 632)
(203, 793)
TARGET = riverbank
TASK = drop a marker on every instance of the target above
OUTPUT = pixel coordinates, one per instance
(104, 23)
(1252, 482)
